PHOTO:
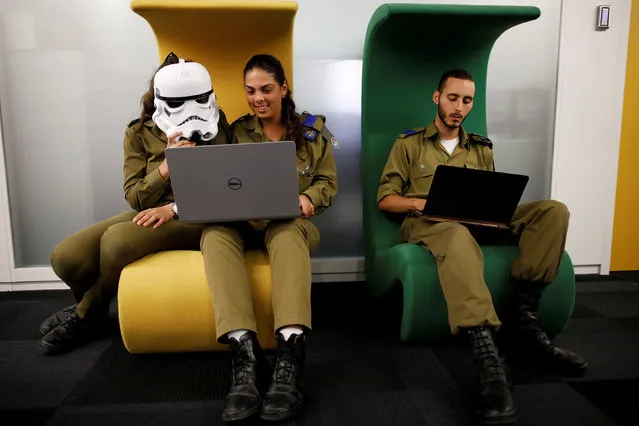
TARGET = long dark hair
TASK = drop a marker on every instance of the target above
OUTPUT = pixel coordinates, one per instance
(290, 118)
(148, 108)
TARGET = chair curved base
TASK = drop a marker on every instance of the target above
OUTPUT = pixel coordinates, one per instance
(425, 316)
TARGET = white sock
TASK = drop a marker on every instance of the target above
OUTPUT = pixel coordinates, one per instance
(287, 332)
(236, 334)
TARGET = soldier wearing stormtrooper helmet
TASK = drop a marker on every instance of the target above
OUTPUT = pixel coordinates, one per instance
(185, 102)
(90, 261)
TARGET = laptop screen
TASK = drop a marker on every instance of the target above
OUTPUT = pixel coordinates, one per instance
(458, 192)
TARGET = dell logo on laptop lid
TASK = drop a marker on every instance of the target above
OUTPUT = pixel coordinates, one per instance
(235, 184)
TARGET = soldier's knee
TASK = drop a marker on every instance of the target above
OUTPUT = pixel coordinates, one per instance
(114, 245)
(215, 236)
(286, 229)
(70, 264)
(555, 208)
(458, 234)
(456, 241)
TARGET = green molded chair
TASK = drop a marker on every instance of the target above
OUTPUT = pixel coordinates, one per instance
(407, 48)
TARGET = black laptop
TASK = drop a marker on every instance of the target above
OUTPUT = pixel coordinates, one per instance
(474, 197)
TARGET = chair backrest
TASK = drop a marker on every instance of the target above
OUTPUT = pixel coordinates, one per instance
(222, 35)
(407, 48)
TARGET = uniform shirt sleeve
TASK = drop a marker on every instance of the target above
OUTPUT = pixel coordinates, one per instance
(323, 188)
(223, 136)
(142, 191)
(395, 174)
(490, 160)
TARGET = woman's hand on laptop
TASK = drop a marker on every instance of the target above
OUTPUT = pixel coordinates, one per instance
(173, 142)
(157, 215)
(306, 207)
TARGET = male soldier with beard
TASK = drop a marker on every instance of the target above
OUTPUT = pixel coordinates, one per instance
(540, 228)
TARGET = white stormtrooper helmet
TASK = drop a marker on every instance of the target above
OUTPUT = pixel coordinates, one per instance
(185, 101)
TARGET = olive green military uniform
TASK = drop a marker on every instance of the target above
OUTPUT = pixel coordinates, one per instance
(540, 226)
(91, 260)
(288, 242)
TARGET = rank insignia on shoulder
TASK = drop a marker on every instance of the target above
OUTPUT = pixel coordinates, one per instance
(411, 132)
(309, 120)
(479, 139)
(137, 120)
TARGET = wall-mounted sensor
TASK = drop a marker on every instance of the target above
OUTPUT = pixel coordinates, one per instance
(603, 17)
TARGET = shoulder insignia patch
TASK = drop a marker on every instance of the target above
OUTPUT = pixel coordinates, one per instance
(411, 132)
(481, 140)
(310, 134)
(314, 125)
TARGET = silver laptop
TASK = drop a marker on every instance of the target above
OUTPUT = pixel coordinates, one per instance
(224, 183)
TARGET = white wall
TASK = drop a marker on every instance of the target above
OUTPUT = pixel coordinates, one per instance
(591, 77)
(6, 258)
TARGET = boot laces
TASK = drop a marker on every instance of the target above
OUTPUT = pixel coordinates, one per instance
(285, 364)
(491, 369)
(242, 364)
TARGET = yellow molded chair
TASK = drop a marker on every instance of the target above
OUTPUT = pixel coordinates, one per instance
(164, 301)
(222, 35)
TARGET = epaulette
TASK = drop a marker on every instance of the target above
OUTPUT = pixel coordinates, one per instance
(479, 139)
(412, 132)
(314, 125)
(137, 120)
(242, 118)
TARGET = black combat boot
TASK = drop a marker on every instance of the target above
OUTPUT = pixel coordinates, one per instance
(250, 378)
(494, 404)
(71, 333)
(284, 397)
(54, 320)
(521, 338)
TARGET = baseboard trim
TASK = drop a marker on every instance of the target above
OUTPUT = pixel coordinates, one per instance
(59, 285)
(325, 270)
(588, 270)
(34, 286)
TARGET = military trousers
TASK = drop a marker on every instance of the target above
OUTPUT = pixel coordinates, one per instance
(289, 244)
(91, 260)
(539, 228)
